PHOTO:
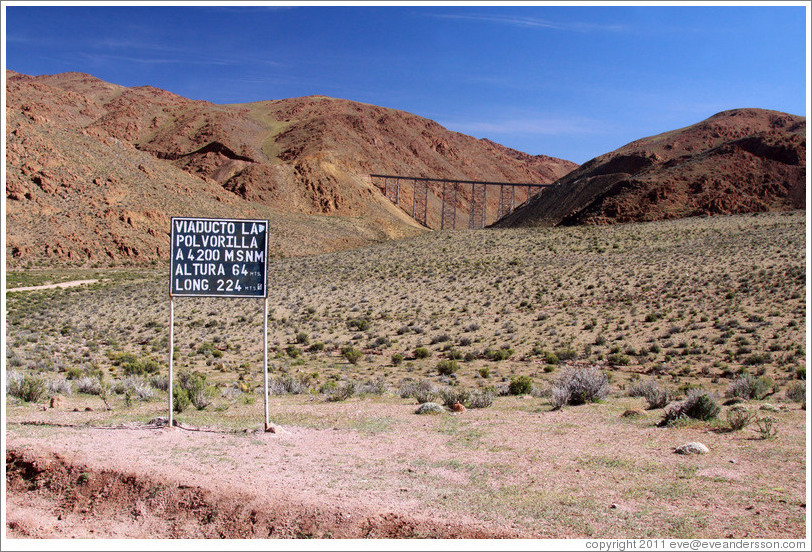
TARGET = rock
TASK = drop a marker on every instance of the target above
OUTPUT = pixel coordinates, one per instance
(429, 408)
(692, 448)
(56, 402)
(159, 422)
(458, 407)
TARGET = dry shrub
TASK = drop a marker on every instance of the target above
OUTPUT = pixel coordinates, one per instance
(749, 387)
(579, 386)
(656, 396)
(423, 391)
(698, 405)
(739, 417)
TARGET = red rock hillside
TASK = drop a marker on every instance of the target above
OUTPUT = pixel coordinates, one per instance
(738, 161)
(95, 170)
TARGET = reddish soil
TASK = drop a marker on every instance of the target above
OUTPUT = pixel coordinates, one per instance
(374, 469)
(95, 170)
(739, 161)
(51, 496)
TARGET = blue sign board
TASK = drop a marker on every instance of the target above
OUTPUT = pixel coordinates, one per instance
(218, 257)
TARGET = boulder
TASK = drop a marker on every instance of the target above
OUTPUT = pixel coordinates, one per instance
(692, 448)
(429, 408)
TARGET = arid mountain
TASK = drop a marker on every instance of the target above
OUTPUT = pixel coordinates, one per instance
(95, 170)
(738, 161)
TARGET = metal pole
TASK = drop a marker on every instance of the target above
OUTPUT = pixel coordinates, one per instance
(171, 353)
(265, 361)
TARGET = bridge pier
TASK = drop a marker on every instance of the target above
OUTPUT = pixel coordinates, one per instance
(476, 218)
(449, 214)
(420, 201)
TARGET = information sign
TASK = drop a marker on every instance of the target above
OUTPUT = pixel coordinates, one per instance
(218, 257)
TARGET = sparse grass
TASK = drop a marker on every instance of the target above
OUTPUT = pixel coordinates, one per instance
(690, 304)
(398, 299)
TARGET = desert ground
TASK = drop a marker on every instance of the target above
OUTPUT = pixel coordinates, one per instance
(653, 316)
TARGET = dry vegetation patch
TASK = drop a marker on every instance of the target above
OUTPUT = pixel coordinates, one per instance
(492, 320)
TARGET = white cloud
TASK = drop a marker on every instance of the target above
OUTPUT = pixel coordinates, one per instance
(535, 22)
(551, 126)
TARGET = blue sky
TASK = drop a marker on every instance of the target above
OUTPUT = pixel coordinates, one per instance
(567, 81)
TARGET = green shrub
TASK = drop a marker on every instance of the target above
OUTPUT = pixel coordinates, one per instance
(198, 392)
(180, 398)
(302, 338)
(74, 373)
(767, 427)
(28, 387)
(421, 352)
(619, 359)
(498, 354)
(520, 385)
(466, 397)
(796, 391)
(344, 391)
(209, 349)
(397, 359)
(698, 405)
(455, 354)
(447, 366)
(316, 347)
(450, 395)
(131, 365)
(484, 372)
(352, 354)
(360, 324)
(757, 359)
(293, 351)
(565, 353)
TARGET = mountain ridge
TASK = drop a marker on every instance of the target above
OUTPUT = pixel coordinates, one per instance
(736, 161)
(85, 156)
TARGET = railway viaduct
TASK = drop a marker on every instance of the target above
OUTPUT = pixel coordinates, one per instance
(411, 193)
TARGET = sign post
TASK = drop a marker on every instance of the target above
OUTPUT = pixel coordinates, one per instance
(218, 258)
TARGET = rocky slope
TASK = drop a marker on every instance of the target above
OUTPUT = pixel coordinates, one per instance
(738, 161)
(95, 170)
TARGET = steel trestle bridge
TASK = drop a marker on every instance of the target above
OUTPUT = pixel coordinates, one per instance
(451, 190)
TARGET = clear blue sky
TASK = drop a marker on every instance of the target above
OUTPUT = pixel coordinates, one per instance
(567, 81)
